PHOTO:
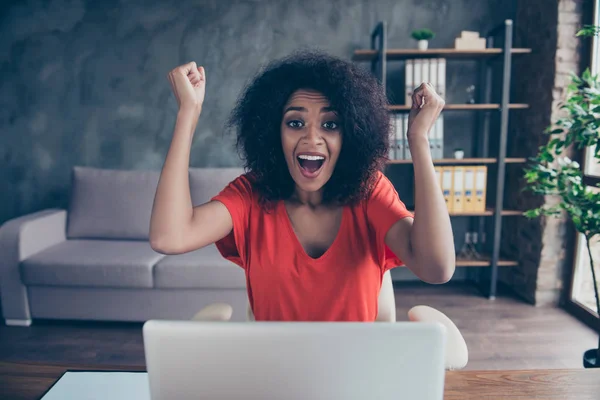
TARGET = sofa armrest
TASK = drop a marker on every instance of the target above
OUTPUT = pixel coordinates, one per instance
(21, 238)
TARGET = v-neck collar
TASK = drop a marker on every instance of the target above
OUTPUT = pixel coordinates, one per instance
(282, 211)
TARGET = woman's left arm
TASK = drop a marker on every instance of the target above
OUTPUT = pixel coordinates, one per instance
(425, 244)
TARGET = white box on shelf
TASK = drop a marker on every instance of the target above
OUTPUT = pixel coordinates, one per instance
(469, 44)
(469, 35)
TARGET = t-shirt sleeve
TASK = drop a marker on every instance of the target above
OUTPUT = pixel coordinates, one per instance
(384, 209)
(237, 197)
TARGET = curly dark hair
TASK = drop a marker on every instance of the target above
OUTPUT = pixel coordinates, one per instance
(359, 101)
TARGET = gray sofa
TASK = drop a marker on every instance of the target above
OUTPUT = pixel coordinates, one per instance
(94, 262)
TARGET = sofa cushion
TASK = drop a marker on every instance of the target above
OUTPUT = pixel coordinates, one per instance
(111, 204)
(204, 268)
(94, 263)
(206, 183)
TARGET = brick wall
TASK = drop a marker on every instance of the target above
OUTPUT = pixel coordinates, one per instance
(540, 79)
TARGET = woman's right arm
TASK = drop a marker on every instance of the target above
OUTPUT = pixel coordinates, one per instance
(176, 226)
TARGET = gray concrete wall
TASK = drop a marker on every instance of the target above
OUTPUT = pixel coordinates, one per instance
(84, 82)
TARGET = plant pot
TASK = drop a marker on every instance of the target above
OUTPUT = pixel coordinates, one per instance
(459, 154)
(423, 44)
(590, 359)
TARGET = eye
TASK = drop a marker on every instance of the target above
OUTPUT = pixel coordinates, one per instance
(330, 125)
(295, 124)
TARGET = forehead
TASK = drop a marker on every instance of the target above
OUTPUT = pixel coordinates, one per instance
(307, 97)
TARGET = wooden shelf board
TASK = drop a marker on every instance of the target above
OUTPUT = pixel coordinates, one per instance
(458, 107)
(510, 213)
(515, 160)
(454, 161)
(451, 161)
(403, 54)
(485, 262)
(487, 213)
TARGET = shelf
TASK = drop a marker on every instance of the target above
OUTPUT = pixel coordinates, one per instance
(379, 54)
(454, 161)
(484, 262)
(457, 107)
(404, 54)
(487, 213)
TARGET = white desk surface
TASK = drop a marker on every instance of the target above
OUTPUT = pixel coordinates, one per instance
(92, 385)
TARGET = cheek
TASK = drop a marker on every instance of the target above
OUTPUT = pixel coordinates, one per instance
(287, 144)
(335, 146)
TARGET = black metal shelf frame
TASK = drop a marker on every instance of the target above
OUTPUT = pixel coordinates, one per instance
(481, 142)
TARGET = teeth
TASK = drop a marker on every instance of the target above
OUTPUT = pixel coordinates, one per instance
(314, 158)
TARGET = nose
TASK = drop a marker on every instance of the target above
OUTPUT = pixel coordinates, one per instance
(313, 135)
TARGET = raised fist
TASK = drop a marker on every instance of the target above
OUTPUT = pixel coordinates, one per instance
(426, 108)
(188, 82)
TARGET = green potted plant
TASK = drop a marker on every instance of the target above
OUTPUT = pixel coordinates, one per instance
(422, 36)
(553, 174)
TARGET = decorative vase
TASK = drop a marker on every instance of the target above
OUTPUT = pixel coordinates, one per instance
(423, 44)
(590, 359)
(459, 154)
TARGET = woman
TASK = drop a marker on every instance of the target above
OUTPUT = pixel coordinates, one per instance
(314, 222)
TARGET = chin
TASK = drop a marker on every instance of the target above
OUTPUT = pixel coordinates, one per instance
(310, 187)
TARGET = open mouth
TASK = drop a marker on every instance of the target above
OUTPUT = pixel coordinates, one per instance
(310, 164)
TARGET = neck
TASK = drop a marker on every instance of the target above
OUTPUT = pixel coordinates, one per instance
(311, 199)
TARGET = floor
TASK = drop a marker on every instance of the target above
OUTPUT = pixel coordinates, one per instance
(501, 334)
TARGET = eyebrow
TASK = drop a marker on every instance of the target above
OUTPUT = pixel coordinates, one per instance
(302, 109)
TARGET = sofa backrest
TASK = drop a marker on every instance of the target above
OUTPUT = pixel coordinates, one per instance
(117, 204)
(111, 204)
(208, 182)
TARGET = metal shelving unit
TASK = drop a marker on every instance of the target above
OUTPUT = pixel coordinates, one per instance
(379, 55)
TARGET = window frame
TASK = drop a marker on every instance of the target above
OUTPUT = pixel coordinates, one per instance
(574, 307)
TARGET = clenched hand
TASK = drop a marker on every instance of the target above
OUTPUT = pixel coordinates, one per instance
(426, 108)
(188, 82)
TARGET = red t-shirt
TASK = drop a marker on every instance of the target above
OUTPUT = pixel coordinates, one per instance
(286, 284)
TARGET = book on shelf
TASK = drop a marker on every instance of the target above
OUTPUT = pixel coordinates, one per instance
(409, 83)
(458, 185)
(433, 73)
(437, 139)
(480, 187)
(398, 141)
(463, 187)
(425, 63)
(469, 188)
(400, 145)
(441, 78)
(417, 77)
(419, 70)
(406, 153)
(392, 149)
(447, 187)
(438, 175)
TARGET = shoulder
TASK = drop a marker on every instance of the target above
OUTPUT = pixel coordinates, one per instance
(382, 187)
(239, 189)
(244, 182)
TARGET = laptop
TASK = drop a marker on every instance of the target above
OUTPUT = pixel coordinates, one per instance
(294, 360)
